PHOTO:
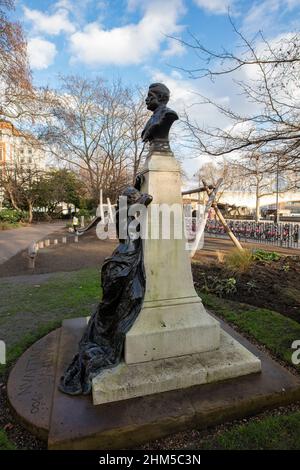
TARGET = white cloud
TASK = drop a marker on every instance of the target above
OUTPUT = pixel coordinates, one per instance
(78, 9)
(240, 128)
(285, 86)
(132, 43)
(260, 15)
(41, 53)
(177, 75)
(267, 15)
(66, 4)
(53, 24)
(217, 7)
(174, 48)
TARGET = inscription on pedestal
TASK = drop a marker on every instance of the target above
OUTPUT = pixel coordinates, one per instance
(31, 382)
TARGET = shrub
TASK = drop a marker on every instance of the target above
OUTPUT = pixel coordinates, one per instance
(85, 213)
(222, 287)
(10, 216)
(262, 255)
(226, 287)
(238, 261)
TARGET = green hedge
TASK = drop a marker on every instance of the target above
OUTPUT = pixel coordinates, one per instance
(85, 213)
(12, 216)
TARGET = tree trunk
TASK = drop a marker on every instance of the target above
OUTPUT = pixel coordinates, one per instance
(12, 199)
(30, 211)
(257, 204)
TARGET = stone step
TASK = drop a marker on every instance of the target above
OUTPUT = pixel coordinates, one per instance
(127, 381)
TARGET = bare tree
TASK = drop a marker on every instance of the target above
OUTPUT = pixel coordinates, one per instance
(273, 129)
(251, 170)
(137, 117)
(19, 99)
(96, 129)
(212, 172)
(14, 68)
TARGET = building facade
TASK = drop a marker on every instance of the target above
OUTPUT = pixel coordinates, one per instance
(18, 151)
(18, 148)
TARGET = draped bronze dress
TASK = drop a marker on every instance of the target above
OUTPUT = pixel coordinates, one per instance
(123, 282)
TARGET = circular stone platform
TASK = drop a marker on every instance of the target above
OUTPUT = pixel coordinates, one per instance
(31, 383)
(73, 422)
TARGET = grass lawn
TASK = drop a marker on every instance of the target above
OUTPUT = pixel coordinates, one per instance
(275, 331)
(271, 433)
(5, 443)
(30, 310)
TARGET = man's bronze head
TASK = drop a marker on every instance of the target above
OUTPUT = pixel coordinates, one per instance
(158, 94)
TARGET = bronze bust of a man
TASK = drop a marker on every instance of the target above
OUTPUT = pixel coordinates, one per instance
(156, 131)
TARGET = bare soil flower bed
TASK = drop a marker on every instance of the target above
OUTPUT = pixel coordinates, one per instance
(269, 284)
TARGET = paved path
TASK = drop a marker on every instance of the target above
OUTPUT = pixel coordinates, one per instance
(15, 240)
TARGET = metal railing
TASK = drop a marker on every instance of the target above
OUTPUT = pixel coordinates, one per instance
(285, 234)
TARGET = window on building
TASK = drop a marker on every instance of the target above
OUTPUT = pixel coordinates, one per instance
(30, 151)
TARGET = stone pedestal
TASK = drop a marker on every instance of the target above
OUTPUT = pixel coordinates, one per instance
(173, 321)
(174, 342)
(178, 372)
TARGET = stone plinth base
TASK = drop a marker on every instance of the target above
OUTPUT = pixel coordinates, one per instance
(75, 423)
(135, 380)
(171, 328)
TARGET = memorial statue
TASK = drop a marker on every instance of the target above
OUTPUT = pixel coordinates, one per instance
(156, 131)
(122, 275)
(123, 284)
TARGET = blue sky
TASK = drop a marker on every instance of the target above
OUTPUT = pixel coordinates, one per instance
(115, 37)
(128, 39)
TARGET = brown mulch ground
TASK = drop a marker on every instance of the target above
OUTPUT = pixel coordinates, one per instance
(269, 284)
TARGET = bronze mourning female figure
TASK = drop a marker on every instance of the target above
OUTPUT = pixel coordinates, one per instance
(123, 283)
